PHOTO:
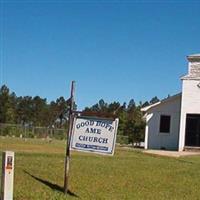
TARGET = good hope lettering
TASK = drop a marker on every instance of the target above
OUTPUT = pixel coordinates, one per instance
(94, 127)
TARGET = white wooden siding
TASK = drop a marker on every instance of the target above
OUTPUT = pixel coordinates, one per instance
(153, 138)
(190, 105)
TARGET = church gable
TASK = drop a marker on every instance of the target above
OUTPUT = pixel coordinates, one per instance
(170, 103)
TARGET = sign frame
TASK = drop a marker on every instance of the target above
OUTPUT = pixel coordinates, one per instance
(116, 121)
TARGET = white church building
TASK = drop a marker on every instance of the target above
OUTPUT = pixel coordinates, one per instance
(174, 123)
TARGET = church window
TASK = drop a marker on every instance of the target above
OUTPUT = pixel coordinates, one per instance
(165, 123)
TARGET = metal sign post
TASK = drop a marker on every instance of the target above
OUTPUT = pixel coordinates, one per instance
(7, 175)
(70, 127)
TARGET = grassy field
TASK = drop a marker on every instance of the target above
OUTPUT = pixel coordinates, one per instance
(129, 174)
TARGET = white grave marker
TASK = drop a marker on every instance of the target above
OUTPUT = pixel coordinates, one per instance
(7, 175)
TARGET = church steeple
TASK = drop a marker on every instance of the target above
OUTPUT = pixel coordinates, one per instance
(194, 66)
(190, 102)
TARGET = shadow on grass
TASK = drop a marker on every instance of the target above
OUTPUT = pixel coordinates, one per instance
(51, 185)
(185, 161)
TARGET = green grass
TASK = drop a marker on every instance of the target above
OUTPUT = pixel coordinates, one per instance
(129, 174)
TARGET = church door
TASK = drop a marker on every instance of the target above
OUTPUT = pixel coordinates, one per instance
(192, 137)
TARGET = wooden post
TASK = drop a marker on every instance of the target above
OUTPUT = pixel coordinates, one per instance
(70, 127)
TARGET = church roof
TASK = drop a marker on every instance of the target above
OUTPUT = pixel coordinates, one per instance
(188, 77)
(146, 108)
(194, 57)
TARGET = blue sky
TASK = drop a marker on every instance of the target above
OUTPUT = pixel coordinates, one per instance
(115, 50)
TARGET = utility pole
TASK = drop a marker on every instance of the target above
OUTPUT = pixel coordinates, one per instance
(70, 127)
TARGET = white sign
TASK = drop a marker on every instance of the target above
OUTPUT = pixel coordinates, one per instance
(94, 135)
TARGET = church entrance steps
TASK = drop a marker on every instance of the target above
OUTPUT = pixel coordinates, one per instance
(192, 149)
(175, 154)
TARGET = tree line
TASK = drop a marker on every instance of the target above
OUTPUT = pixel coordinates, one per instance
(36, 111)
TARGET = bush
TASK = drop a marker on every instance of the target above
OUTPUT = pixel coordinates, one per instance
(121, 139)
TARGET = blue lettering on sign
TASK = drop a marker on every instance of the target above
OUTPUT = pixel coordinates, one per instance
(98, 124)
(93, 147)
(86, 123)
